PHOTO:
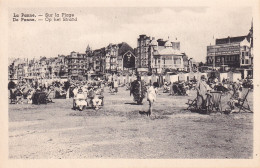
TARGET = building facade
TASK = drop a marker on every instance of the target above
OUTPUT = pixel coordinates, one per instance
(234, 52)
(156, 56)
(114, 59)
(166, 57)
(77, 66)
(143, 44)
(98, 57)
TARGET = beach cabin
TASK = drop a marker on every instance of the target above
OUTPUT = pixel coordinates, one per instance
(171, 77)
(184, 77)
(234, 76)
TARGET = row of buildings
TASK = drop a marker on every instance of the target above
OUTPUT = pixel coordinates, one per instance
(151, 56)
(49, 68)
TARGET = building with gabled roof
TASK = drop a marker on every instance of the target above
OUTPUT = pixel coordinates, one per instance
(115, 57)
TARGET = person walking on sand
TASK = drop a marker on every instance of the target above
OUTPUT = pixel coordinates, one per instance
(151, 96)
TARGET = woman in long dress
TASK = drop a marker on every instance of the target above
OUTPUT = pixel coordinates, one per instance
(138, 90)
(202, 90)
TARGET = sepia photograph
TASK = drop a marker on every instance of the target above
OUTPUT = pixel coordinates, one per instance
(131, 82)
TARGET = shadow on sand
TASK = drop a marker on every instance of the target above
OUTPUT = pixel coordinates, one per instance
(133, 103)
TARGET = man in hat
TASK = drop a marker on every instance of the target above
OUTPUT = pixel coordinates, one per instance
(202, 90)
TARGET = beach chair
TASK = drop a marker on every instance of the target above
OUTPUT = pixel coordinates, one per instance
(243, 104)
(214, 102)
(192, 104)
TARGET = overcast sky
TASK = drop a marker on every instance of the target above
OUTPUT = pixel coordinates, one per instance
(194, 27)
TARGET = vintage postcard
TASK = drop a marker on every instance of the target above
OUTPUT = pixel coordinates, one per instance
(129, 83)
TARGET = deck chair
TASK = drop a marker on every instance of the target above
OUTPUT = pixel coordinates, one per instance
(214, 101)
(192, 104)
(243, 103)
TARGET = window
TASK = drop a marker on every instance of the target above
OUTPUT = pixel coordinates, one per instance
(246, 61)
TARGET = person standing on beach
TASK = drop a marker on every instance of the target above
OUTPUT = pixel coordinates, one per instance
(151, 96)
(115, 86)
(138, 90)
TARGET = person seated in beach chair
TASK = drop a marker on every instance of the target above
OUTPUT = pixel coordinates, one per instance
(29, 96)
(80, 100)
(111, 86)
(60, 93)
(18, 95)
(239, 100)
(182, 89)
(97, 102)
(97, 98)
(174, 89)
(39, 97)
(166, 87)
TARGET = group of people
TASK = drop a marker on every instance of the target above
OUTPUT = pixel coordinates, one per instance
(113, 86)
(25, 91)
(90, 93)
(139, 90)
(204, 87)
(83, 93)
(87, 95)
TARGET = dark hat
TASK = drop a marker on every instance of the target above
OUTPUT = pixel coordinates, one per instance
(80, 90)
(202, 77)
